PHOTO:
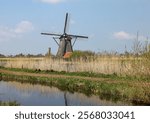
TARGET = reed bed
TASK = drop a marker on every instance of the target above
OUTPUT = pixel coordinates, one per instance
(104, 64)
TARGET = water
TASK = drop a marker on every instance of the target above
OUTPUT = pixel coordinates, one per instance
(38, 95)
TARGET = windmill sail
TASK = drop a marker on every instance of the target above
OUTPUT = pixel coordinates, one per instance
(66, 21)
(65, 46)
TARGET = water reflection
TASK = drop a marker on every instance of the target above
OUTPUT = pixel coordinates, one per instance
(39, 95)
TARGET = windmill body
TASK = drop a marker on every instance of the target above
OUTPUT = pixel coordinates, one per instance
(65, 45)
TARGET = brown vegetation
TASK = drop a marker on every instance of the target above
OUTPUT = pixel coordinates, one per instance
(136, 63)
(95, 64)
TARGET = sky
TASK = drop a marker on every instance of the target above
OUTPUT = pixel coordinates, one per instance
(111, 25)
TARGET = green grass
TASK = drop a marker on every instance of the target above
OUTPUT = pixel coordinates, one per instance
(83, 74)
(121, 91)
(9, 103)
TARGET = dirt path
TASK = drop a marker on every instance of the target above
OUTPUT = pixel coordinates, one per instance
(92, 79)
(52, 75)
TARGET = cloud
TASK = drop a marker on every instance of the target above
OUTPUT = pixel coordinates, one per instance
(6, 32)
(52, 1)
(123, 35)
(21, 28)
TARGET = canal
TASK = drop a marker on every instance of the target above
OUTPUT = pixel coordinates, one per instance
(27, 94)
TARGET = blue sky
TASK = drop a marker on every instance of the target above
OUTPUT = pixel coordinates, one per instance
(110, 24)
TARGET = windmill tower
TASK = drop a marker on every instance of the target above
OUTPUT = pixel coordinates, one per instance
(65, 41)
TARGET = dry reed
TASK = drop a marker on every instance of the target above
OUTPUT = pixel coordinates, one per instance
(105, 64)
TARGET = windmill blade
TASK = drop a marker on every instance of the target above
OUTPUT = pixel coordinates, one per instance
(78, 36)
(66, 21)
(51, 34)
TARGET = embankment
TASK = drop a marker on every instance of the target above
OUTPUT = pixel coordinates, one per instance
(110, 87)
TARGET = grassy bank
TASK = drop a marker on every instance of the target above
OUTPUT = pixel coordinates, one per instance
(113, 76)
(110, 87)
(14, 103)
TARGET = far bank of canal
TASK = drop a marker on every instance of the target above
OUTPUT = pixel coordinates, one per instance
(105, 87)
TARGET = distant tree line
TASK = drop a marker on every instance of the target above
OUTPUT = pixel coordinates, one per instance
(138, 49)
(2, 56)
(79, 53)
(21, 55)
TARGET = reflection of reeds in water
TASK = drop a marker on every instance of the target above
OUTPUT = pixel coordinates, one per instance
(26, 87)
(81, 99)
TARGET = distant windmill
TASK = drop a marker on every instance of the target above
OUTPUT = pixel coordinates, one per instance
(65, 45)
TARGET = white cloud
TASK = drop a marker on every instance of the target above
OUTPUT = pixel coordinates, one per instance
(52, 1)
(23, 27)
(7, 33)
(123, 35)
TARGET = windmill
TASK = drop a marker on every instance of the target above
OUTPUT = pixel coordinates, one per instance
(65, 41)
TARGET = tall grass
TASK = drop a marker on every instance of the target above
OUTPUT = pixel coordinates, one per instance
(119, 65)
